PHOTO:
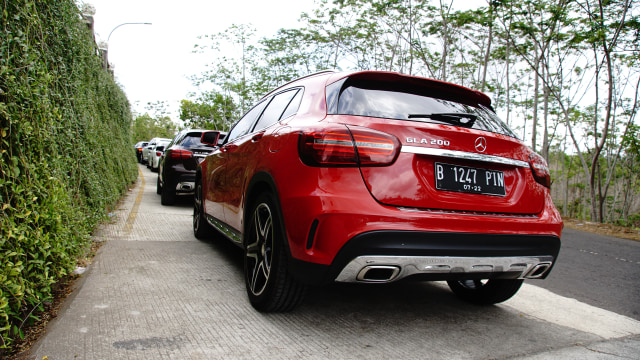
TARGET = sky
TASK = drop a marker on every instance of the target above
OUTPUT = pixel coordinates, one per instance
(154, 62)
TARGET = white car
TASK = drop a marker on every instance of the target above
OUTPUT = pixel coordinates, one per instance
(151, 145)
(154, 154)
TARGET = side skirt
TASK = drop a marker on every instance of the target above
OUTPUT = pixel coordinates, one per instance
(226, 230)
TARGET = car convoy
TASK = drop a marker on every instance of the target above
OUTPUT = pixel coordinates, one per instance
(369, 177)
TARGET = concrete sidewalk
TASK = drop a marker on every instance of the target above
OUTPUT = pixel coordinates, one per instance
(156, 292)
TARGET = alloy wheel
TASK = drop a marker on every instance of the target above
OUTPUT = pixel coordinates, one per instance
(197, 207)
(259, 250)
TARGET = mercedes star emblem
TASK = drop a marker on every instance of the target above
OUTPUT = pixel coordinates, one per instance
(481, 144)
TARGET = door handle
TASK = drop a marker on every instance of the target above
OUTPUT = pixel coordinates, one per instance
(229, 148)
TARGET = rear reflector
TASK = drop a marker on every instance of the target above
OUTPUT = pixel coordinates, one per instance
(540, 169)
(348, 146)
(180, 154)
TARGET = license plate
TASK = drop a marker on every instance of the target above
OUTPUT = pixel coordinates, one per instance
(469, 179)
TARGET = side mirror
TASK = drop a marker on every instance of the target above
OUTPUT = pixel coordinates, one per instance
(210, 138)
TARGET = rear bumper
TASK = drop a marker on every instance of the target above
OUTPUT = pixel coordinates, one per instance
(392, 268)
(444, 256)
(186, 182)
(178, 177)
(383, 256)
(331, 236)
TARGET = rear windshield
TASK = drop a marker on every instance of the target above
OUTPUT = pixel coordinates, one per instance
(391, 101)
(191, 139)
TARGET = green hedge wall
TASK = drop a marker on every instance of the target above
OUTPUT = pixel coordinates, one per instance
(65, 156)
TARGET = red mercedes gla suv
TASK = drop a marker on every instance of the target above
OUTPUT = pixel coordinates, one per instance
(372, 177)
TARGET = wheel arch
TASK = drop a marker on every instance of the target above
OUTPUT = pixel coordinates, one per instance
(199, 178)
(260, 182)
(264, 182)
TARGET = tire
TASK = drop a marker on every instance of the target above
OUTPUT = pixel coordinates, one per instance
(158, 187)
(270, 286)
(168, 194)
(485, 292)
(201, 228)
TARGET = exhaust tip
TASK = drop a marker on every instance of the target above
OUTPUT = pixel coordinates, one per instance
(185, 187)
(538, 271)
(378, 273)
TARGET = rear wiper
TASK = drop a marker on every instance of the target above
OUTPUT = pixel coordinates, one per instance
(457, 119)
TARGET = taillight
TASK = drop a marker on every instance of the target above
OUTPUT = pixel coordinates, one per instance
(375, 147)
(180, 154)
(540, 169)
(158, 153)
(348, 146)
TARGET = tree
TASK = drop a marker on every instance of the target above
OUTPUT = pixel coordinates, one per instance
(574, 45)
(564, 72)
(631, 173)
(211, 111)
(145, 127)
(231, 76)
(603, 31)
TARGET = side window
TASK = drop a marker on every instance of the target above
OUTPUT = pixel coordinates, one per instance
(243, 126)
(293, 105)
(333, 93)
(176, 140)
(275, 109)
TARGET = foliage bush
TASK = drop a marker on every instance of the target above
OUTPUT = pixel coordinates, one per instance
(65, 155)
(633, 221)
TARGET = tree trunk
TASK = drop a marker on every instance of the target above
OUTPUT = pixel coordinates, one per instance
(545, 136)
(445, 40)
(488, 50)
(565, 172)
(606, 49)
(508, 84)
(536, 88)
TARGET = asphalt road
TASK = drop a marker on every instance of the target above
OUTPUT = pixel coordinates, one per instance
(602, 271)
(156, 292)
